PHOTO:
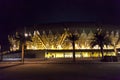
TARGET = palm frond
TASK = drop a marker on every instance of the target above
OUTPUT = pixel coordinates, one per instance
(22, 38)
(73, 37)
(100, 39)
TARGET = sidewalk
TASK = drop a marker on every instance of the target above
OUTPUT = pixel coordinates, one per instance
(8, 64)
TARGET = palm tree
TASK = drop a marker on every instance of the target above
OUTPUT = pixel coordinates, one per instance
(22, 38)
(100, 39)
(115, 44)
(73, 38)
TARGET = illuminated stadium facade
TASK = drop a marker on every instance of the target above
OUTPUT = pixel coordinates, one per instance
(55, 44)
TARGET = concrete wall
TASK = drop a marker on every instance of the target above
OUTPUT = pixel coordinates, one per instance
(35, 53)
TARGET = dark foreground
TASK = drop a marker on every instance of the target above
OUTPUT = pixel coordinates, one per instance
(101, 71)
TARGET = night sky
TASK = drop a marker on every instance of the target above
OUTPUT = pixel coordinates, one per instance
(20, 13)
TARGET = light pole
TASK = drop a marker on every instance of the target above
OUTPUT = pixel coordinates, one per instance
(26, 37)
(23, 38)
(23, 47)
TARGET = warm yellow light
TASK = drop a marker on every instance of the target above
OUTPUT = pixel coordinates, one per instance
(59, 47)
(29, 47)
(59, 55)
(34, 47)
(14, 48)
(52, 47)
(43, 41)
(85, 55)
(77, 55)
(26, 35)
(96, 47)
(83, 47)
(76, 46)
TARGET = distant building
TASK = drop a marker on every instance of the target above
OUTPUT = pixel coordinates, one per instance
(56, 44)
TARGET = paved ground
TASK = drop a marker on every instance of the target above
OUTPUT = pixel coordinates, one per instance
(28, 71)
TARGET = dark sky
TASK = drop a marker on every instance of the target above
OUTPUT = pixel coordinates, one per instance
(20, 13)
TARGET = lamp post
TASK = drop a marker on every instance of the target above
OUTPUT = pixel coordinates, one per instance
(26, 37)
(23, 47)
(23, 38)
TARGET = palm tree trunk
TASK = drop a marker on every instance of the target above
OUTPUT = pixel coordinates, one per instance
(115, 50)
(73, 44)
(101, 49)
(22, 56)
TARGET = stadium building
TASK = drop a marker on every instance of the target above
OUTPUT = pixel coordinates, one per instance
(50, 41)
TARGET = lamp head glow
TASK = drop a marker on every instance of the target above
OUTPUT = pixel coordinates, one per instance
(26, 35)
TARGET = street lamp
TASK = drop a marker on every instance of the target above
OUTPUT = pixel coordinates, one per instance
(23, 46)
(26, 35)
